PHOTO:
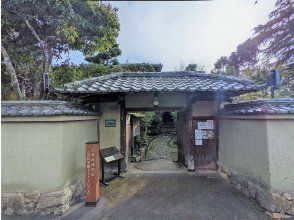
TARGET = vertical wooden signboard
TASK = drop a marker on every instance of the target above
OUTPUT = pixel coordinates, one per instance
(92, 173)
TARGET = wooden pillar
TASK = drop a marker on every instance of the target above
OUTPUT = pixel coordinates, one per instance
(123, 146)
(189, 153)
(128, 137)
(181, 130)
(92, 173)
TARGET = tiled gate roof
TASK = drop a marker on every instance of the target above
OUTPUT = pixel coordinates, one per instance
(157, 82)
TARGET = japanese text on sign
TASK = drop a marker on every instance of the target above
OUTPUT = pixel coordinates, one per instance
(90, 168)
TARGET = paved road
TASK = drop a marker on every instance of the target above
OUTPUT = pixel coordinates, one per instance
(186, 196)
(155, 192)
(164, 190)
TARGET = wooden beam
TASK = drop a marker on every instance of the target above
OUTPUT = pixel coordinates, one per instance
(154, 109)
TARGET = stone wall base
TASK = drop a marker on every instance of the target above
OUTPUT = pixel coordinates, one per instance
(274, 202)
(54, 202)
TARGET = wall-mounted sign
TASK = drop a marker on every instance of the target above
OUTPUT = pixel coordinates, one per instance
(207, 134)
(202, 125)
(110, 123)
(198, 142)
(209, 124)
(198, 134)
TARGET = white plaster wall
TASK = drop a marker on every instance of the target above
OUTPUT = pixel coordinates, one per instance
(204, 108)
(166, 100)
(74, 137)
(281, 153)
(243, 146)
(110, 136)
(44, 155)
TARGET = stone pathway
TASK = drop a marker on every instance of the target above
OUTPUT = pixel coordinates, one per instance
(162, 147)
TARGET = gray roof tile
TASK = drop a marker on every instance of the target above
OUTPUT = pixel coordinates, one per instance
(261, 106)
(44, 108)
(159, 81)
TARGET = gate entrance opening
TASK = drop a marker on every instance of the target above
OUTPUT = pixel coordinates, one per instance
(152, 135)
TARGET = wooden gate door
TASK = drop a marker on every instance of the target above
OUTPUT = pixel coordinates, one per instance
(205, 143)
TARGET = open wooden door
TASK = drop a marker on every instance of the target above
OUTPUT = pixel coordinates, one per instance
(205, 142)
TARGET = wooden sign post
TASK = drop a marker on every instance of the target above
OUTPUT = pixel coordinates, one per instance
(92, 173)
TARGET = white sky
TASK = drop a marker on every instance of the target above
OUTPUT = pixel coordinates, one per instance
(172, 33)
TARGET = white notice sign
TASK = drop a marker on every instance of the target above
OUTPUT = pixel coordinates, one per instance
(109, 159)
(198, 134)
(202, 125)
(198, 142)
(209, 124)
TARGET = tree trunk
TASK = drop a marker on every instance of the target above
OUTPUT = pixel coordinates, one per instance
(47, 57)
(11, 71)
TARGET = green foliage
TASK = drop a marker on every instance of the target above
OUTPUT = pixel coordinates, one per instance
(149, 125)
(36, 32)
(66, 72)
(245, 56)
(192, 67)
(276, 37)
(109, 57)
(262, 76)
(273, 41)
(221, 64)
(175, 116)
(138, 67)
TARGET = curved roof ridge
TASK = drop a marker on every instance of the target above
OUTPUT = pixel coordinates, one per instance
(191, 81)
(183, 74)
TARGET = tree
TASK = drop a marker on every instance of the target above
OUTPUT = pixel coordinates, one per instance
(192, 67)
(46, 29)
(244, 57)
(221, 64)
(276, 37)
(140, 67)
(68, 72)
(11, 71)
(247, 53)
(109, 57)
(272, 41)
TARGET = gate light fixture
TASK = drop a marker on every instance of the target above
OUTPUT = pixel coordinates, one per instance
(155, 100)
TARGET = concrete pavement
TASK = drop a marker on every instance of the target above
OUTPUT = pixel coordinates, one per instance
(171, 194)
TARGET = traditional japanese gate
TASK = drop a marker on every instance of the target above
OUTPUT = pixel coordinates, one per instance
(194, 95)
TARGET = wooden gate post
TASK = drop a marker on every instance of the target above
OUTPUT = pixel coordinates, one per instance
(92, 173)
(189, 157)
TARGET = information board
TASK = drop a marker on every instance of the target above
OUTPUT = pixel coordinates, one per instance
(92, 173)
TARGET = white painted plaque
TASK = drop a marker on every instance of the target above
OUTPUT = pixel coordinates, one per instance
(109, 159)
(202, 125)
(209, 124)
(198, 142)
(198, 134)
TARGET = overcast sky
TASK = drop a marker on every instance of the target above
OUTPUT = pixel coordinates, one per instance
(172, 33)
